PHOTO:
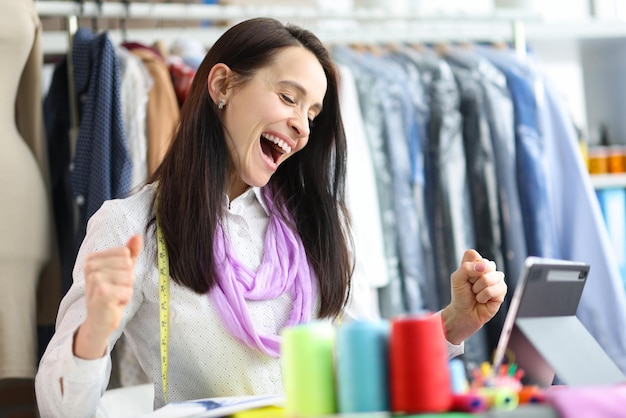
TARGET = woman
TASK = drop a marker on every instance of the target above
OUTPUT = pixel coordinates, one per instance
(250, 204)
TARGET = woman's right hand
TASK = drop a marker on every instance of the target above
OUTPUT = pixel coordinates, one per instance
(109, 278)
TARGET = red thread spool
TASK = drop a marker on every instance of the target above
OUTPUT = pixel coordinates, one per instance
(468, 402)
(418, 365)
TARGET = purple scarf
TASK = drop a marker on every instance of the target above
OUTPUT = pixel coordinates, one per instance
(284, 268)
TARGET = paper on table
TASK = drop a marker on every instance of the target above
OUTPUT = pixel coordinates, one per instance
(215, 407)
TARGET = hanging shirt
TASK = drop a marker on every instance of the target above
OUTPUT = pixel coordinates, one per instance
(370, 90)
(530, 153)
(498, 110)
(136, 82)
(101, 168)
(581, 233)
(370, 270)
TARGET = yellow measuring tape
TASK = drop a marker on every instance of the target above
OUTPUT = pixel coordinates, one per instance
(164, 303)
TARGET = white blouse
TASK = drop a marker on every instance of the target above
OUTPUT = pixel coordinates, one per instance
(204, 359)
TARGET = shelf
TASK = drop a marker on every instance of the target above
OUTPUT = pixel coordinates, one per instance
(581, 30)
(605, 181)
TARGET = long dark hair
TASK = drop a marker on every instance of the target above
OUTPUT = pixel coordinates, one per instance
(309, 185)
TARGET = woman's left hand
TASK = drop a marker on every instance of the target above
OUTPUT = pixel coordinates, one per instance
(478, 290)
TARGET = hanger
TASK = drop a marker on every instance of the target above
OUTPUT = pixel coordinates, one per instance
(358, 47)
(392, 47)
(376, 49)
(417, 46)
(442, 48)
(501, 45)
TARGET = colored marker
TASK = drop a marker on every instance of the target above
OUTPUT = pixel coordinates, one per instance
(485, 369)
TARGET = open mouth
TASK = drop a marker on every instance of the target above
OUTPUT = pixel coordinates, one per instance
(273, 147)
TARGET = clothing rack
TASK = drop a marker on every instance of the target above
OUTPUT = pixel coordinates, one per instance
(371, 25)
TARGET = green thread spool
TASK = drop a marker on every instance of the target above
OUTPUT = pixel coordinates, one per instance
(504, 398)
(308, 369)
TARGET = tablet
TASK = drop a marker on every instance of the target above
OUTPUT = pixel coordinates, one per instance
(542, 334)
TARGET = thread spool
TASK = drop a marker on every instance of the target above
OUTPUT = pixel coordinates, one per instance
(418, 365)
(362, 367)
(308, 369)
(531, 394)
(458, 376)
(468, 402)
(503, 398)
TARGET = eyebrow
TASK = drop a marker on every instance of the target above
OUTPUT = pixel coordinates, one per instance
(302, 90)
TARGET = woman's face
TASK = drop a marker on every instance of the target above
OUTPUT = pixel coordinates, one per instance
(267, 119)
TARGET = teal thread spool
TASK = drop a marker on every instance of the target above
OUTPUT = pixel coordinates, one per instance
(308, 369)
(362, 367)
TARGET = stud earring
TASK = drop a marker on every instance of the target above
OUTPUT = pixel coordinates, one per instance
(221, 104)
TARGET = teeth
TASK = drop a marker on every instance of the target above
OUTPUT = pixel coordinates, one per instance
(283, 146)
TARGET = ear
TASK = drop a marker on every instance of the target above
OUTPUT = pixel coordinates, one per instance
(219, 82)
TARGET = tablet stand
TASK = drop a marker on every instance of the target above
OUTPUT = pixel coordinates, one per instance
(561, 346)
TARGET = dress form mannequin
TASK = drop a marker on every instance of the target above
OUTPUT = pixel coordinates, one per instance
(25, 220)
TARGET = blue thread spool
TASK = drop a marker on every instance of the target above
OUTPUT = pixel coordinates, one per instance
(458, 377)
(362, 367)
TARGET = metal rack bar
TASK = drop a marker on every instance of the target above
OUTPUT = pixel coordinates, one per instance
(184, 11)
(372, 25)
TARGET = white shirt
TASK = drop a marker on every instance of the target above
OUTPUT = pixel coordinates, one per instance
(361, 186)
(204, 359)
(134, 88)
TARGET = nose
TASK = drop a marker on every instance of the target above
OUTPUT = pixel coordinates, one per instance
(300, 125)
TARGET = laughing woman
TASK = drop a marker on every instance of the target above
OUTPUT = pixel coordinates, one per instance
(248, 207)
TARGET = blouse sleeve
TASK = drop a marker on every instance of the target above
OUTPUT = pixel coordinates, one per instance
(67, 386)
(454, 350)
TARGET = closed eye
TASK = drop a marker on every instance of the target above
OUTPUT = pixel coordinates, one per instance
(288, 99)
